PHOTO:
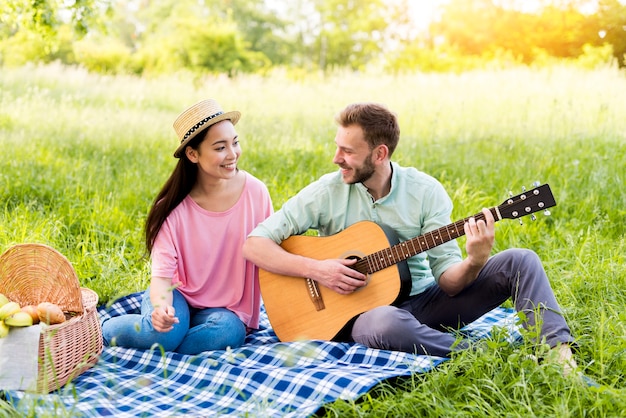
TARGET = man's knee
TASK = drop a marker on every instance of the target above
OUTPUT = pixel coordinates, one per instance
(521, 256)
(377, 327)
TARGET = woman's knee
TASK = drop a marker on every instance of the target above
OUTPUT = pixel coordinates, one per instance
(213, 329)
(234, 327)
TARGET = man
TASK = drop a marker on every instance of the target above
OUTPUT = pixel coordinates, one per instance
(447, 290)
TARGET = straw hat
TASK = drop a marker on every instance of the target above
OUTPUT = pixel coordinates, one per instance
(197, 118)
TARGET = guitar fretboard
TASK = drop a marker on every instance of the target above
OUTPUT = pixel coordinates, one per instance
(387, 257)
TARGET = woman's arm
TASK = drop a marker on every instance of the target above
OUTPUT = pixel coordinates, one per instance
(163, 315)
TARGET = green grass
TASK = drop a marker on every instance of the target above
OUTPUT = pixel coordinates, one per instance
(82, 157)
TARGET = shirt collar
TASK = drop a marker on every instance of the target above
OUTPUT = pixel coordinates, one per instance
(394, 182)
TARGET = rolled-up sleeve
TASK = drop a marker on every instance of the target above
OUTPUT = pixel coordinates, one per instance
(304, 211)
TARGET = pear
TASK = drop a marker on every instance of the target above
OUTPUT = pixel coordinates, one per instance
(19, 319)
(9, 309)
(4, 329)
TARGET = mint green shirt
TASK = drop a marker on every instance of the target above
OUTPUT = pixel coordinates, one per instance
(416, 204)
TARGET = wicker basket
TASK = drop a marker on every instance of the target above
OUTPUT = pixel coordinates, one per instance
(35, 273)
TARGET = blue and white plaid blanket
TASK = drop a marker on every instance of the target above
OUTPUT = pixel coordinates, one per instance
(263, 378)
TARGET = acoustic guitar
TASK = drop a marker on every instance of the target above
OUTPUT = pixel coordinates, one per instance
(298, 308)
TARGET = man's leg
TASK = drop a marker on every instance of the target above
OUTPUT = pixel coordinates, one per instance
(515, 273)
(393, 328)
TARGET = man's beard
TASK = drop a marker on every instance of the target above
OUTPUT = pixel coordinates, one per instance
(362, 174)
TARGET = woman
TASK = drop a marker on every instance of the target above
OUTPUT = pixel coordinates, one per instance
(203, 294)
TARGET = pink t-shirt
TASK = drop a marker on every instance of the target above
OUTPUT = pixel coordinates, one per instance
(202, 251)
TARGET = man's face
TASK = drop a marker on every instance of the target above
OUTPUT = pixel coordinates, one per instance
(353, 155)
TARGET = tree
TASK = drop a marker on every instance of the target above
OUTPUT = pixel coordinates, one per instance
(177, 34)
(46, 16)
(563, 31)
(612, 25)
(351, 32)
(327, 34)
(261, 28)
(483, 27)
(41, 25)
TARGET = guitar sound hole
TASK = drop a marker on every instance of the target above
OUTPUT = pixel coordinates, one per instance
(359, 268)
(355, 266)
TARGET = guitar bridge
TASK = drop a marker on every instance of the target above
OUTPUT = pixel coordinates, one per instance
(314, 294)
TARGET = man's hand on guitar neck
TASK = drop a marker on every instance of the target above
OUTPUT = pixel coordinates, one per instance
(480, 236)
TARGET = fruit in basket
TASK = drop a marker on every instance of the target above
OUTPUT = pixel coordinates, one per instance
(4, 329)
(32, 311)
(19, 319)
(50, 313)
(3, 300)
(9, 309)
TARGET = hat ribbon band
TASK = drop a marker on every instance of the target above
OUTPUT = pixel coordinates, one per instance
(199, 125)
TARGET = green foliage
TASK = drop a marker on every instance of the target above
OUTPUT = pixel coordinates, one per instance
(595, 56)
(39, 31)
(262, 29)
(240, 36)
(350, 32)
(612, 15)
(559, 31)
(444, 59)
(48, 15)
(31, 47)
(108, 56)
(217, 49)
(194, 41)
(23, 48)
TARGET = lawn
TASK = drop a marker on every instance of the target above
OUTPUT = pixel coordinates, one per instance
(82, 156)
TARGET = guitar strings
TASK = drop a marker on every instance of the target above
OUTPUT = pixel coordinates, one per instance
(386, 257)
(389, 256)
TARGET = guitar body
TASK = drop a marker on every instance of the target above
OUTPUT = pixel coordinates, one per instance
(290, 307)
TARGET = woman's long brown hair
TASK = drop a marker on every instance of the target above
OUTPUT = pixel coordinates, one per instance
(175, 189)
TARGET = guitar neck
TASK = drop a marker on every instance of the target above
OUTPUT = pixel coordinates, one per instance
(387, 257)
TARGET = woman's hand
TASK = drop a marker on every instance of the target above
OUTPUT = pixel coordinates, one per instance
(163, 318)
(164, 314)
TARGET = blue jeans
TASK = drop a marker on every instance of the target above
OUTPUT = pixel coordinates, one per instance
(198, 329)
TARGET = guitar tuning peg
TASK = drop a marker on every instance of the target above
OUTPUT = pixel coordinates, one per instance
(523, 189)
(536, 183)
(546, 212)
(520, 221)
(533, 217)
(510, 193)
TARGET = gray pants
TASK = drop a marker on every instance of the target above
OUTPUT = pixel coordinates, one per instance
(419, 324)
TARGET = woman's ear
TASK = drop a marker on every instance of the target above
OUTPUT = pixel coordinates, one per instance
(192, 154)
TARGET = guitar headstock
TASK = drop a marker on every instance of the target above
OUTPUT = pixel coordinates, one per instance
(531, 201)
